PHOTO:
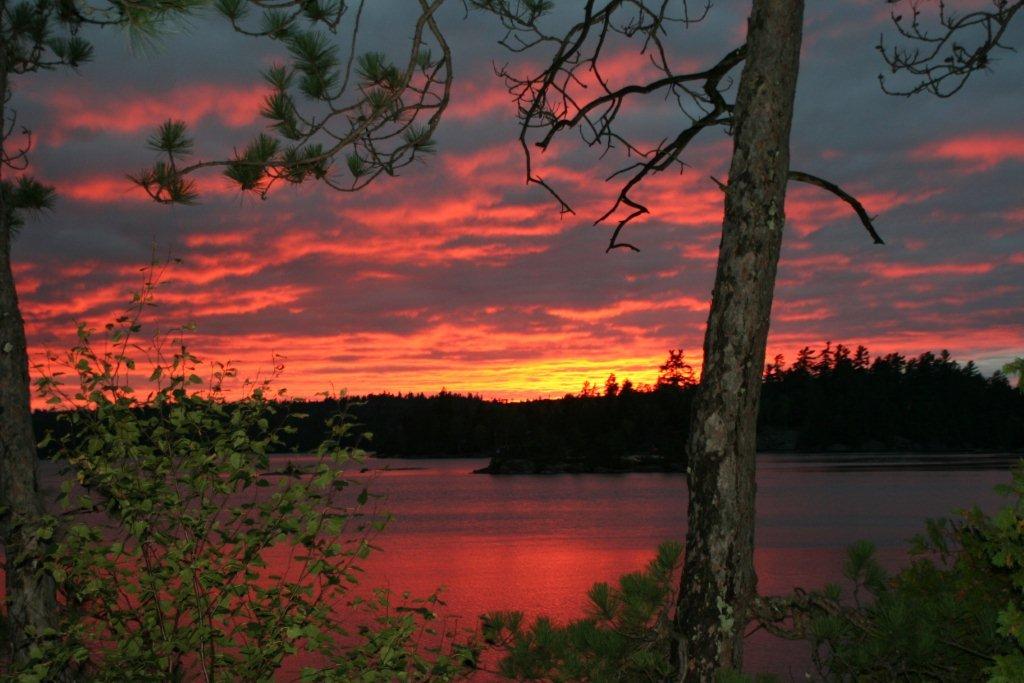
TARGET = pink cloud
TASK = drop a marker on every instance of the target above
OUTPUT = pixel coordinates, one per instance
(234, 106)
(627, 306)
(975, 153)
(907, 270)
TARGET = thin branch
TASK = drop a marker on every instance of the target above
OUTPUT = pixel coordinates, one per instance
(572, 92)
(866, 220)
(944, 58)
(376, 129)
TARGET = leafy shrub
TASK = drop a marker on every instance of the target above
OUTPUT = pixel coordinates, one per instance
(185, 551)
(625, 636)
(956, 612)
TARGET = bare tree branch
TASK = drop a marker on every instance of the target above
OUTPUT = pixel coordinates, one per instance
(866, 220)
(572, 93)
(942, 59)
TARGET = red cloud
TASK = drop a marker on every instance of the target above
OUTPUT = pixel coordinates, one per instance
(488, 100)
(975, 153)
(906, 270)
(1015, 216)
(809, 208)
(231, 105)
(109, 188)
(504, 352)
(219, 239)
(213, 302)
(101, 189)
(627, 306)
(469, 164)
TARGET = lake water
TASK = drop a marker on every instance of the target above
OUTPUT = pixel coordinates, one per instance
(537, 542)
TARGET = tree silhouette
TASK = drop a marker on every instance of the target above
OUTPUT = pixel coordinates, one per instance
(675, 371)
(928, 403)
(611, 386)
(1016, 367)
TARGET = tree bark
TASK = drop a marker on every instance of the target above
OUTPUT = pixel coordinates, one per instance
(31, 605)
(718, 582)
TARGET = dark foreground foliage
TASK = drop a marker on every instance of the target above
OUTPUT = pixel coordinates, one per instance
(182, 551)
(625, 635)
(954, 613)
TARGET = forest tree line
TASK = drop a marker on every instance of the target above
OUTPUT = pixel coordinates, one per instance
(835, 398)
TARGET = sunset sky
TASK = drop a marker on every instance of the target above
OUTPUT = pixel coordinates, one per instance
(458, 275)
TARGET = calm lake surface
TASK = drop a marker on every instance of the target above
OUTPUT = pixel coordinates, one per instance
(537, 542)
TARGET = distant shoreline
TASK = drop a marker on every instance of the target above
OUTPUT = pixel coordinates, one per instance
(858, 453)
(854, 461)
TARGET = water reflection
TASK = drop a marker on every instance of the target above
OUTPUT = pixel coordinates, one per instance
(537, 543)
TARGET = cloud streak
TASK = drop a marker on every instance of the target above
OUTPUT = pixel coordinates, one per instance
(458, 275)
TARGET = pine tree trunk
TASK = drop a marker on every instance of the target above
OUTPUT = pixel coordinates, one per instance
(31, 605)
(718, 581)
